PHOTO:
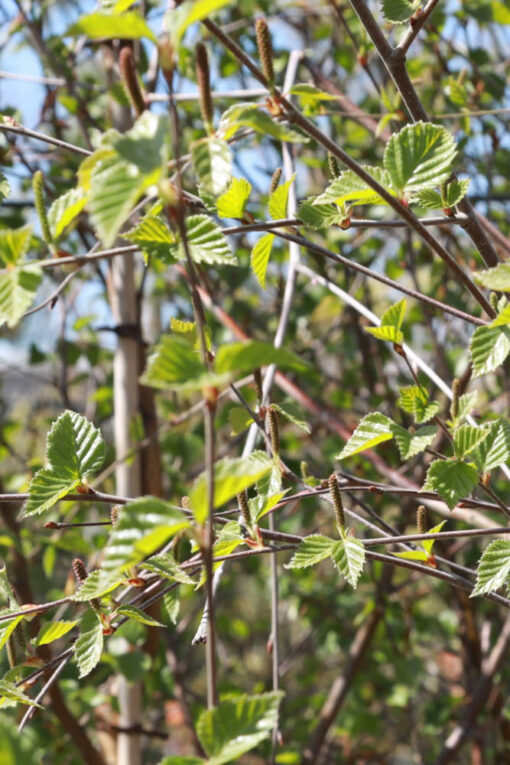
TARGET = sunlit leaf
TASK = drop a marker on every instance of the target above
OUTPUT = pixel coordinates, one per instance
(348, 555)
(493, 568)
(259, 257)
(89, 645)
(488, 348)
(452, 480)
(232, 203)
(311, 551)
(420, 156)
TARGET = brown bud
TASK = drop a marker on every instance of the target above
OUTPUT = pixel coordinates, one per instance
(421, 519)
(334, 488)
(265, 50)
(275, 180)
(272, 427)
(204, 87)
(130, 80)
(79, 569)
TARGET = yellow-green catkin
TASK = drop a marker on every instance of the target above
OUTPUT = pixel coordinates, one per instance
(38, 189)
(242, 501)
(421, 519)
(204, 86)
(265, 50)
(454, 407)
(273, 430)
(338, 505)
(275, 180)
(130, 81)
(334, 170)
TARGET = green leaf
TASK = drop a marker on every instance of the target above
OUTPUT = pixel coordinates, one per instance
(428, 544)
(247, 356)
(206, 242)
(373, 429)
(466, 438)
(165, 565)
(74, 449)
(488, 348)
(309, 96)
(232, 203)
(399, 11)
(394, 316)
(278, 200)
(64, 210)
(126, 26)
(177, 759)
(115, 189)
(452, 480)
(97, 584)
(348, 555)
(495, 449)
(172, 605)
(231, 476)
(414, 400)
(239, 420)
(311, 551)
(179, 19)
(14, 244)
(262, 504)
(10, 694)
(17, 292)
(259, 257)
(456, 191)
(237, 725)
(89, 645)
(467, 402)
(410, 444)
(212, 162)
(143, 525)
(7, 627)
(420, 156)
(503, 317)
(318, 216)
(500, 12)
(138, 616)
(293, 413)
(349, 187)
(430, 200)
(497, 278)
(54, 631)
(493, 568)
(387, 333)
(258, 119)
(153, 237)
(175, 365)
(5, 188)
(412, 555)
(146, 144)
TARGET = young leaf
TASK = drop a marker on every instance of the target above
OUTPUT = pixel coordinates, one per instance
(14, 244)
(232, 202)
(239, 420)
(420, 156)
(246, 356)
(488, 348)
(467, 402)
(493, 568)
(278, 200)
(455, 192)
(497, 278)
(153, 237)
(430, 200)
(231, 476)
(10, 694)
(17, 292)
(291, 412)
(428, 544)
(373, 429)
(452, 480)
(494, 450)
(237, 725)
(179, 19)
(503, 317)
(143, 525)
(388, 333)
(96, 26)
(175, 365)
(97, 584)
(349, 187)
(411, 444)
(64, 210)
(146, 145)
(413, 555)
(318, 216)
(165, 565)
(414, 400)
(348, 555)
(7, 627)
(262, 504)
(172, 605)
(311, 551)
(54, 631)
(138, 616)
(394, 315)
(466, 438)
(252, 116)
(206, 242)
(259, 257)
(399, 11)
(212, 162)
(115, 189)
(74, 449)
(89, 645)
